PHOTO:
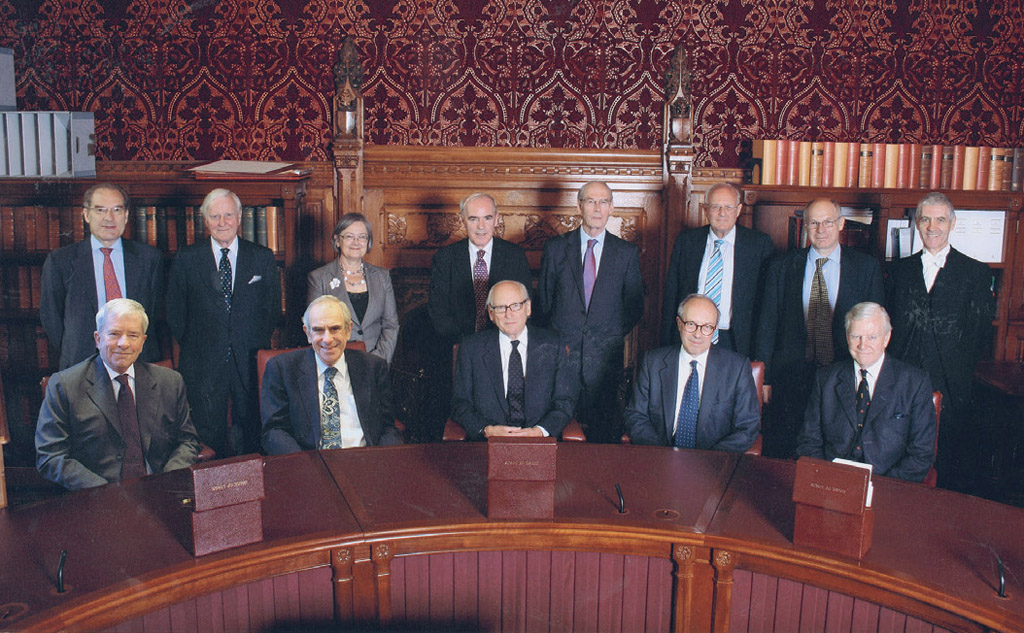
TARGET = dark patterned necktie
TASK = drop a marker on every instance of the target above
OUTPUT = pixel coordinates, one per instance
(225, 276)
(133, 465)
(863, 403)
(480, 289)
(110, 285)
(686, 425)
(819, 319)
(589, 271)
(516, 388)
(330, 413)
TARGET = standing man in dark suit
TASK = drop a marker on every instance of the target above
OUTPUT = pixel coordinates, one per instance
(942, 308)
(515, 380)
(223, 301)
(695, 395)
(807, 292)
(724, 262)
(79, 278)
(461, 274)
(326, 396)
(111, 418)
(591, 291)
(876, 409)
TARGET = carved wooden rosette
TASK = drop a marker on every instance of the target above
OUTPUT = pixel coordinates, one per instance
(348, 128)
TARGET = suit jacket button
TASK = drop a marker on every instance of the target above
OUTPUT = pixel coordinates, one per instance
(360, 332)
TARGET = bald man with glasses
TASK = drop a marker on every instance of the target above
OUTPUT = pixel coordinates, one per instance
(513, 380)
(694, 395)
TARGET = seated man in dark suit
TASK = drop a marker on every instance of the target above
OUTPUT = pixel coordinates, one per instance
(876, 409)
(696, 395)
(327, 396)
(496, 392)
(110, 418)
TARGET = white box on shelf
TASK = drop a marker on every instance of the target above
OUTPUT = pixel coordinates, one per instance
(83, 148)
(44, 128)
(29, 144)
(8, 99)
(12, 124)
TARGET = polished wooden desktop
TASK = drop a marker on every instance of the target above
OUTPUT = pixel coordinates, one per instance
(399, 535)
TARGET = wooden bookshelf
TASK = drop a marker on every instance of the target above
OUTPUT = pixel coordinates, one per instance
(40, 215)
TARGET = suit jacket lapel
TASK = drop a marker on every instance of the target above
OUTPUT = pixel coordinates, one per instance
(210, 263)
(375, 298)
(709, 393)
(101, 392)
(881, 396)
(358, 378)
(795, 287)
(132, 267)
(309, 397)
(668, 377)
(575, 262)
(846, 395)
(492, 365)
(464, 269)
(145, 403)
(86, 286)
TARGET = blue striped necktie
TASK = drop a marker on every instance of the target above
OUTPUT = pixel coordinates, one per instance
(713, 281)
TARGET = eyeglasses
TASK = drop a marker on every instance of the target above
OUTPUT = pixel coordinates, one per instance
(598, 202)
(514, 307)
(349, 237)
(812, 225)
(118, 210)
(715, 208)
(705, 328)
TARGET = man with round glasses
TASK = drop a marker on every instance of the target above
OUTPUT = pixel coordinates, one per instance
(694, 395)
(515, 380)
(77, 279)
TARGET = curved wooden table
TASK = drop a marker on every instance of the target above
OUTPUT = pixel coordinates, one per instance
(400, 536)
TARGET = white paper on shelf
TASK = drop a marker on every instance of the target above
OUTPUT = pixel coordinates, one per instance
(12, 123)
(29, 144)
(8, 98)
(892, 226)
(868, 467)
(241, 166)
(979, 234)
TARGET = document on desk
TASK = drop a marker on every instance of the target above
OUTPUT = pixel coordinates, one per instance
(868, 467)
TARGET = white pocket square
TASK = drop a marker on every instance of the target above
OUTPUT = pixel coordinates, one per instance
(254, 279)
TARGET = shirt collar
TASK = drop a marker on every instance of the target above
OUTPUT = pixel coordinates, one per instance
(730, 237)
(340, 365)
(939, 259)
(473, 248)
(584, 237)
(702, 358)
(114, 374)
(813, 254)
(97, 245)
(216, 245)
(504, 338)
(873, 369)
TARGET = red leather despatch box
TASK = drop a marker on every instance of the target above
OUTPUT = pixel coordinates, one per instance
(226, 482)
(223, 528)
(830, 511)
(521, 477)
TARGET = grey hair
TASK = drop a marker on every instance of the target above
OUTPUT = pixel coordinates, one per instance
(728, 186)
(579, 194)
(867, 310)
(695, 295)
(835, 205)
(938, 199)
(215, 195)
(87, 198)
(118, 308)
(346, 221)
(322, 299)
(522, 288)
(475, 196)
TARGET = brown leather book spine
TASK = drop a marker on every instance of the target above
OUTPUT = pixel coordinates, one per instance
(891, 169)
(995, 172)
(53, 222)
(946, 174)
(272, 222)
(984, 169)
(25, 237)
(803, 172)
(36, 279)
(24, 288)
(817, 164)
(77, 226)
(903, 165)
(781, 161)
(1017, 171)
(878, 166)
(42, 349)
(42, 240)
(793, 164)
(190, 227)
(867, 165)
(828, 164)
(1007, 168)
(172, 229)
(925, 177)
(852, 164)
(7, 229)
(151, 226)
(913, 166)
(970, 169)
(957, 178)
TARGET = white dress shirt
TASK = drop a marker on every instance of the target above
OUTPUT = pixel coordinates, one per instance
(351, 429)
(684, 375)
(728, 249)
(505, 348)
(232, 257)
(830, 271)
(930, 265)
(488, 249)
(117, 257)
(872, 376)
(598, 248)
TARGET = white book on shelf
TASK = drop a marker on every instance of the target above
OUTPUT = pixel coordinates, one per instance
(29, 144)
(8, 98)
(83, 152)
(61, 143)
(12, 123)
(44, 130)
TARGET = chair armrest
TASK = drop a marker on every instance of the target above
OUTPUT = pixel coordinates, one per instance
(755, 448)
(206, 454)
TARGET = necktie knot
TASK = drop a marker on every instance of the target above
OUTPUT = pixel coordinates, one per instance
(515, 346)
(820, 262)
(718, 243)
(106, 251)
(123, 379)
(224, 252)
(864, 374)
(480, 253)
(330, 372)
(693, 365)
(591, 243)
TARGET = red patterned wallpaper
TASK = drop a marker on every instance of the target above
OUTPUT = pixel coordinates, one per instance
(251, 79)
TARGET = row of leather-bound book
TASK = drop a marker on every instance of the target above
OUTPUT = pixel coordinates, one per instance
(887, 165)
